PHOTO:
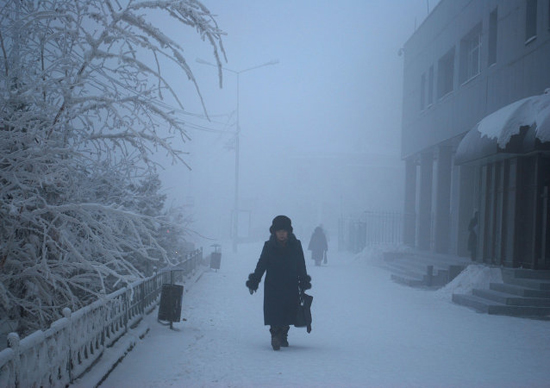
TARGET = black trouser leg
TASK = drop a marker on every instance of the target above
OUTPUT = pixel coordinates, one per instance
(279, 336)
(284, 336)
(275, 337)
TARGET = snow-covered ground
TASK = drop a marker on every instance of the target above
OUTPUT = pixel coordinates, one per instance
(367, 332)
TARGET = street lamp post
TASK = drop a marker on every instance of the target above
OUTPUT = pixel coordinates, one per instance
(235, 223)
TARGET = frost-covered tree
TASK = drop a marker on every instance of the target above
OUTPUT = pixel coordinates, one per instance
(174, 232)
(84, 103)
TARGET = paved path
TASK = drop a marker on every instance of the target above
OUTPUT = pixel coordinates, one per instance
(367, 332)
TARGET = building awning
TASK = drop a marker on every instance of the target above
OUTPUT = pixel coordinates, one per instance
(518, 128)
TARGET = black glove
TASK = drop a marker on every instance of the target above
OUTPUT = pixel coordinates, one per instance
(304, 283)
(252, 283)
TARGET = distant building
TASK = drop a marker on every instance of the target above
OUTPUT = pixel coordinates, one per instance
(467, 60)
(323, 188)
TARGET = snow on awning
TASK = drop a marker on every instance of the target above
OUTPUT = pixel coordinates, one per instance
(518, 128)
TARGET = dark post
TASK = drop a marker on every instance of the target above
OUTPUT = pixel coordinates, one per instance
(443, 200)
(409, 221)
(425, 207)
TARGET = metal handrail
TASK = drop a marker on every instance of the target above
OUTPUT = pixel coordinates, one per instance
(61, 354)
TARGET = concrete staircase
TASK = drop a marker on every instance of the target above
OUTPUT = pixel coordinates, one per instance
(423, 269)
(523, 293)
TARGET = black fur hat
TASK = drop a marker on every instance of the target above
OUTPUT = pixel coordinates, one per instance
(281, 223)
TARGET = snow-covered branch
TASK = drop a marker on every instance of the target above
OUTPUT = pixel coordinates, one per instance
(84, 103)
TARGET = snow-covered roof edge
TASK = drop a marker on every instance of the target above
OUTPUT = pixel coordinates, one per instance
(507, 121)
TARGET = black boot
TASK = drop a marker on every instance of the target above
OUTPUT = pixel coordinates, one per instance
(275, 337)
(284, 336)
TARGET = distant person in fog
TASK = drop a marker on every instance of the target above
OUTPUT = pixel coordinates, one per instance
(472, 236)
(282, 259)
(318, 246)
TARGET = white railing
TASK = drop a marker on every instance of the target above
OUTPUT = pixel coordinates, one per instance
(371, 228)
(59, 355)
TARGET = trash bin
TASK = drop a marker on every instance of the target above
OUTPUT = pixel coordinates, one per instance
(170, 303)
(216, 257)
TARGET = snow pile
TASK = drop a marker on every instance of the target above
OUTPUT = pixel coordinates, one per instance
(474, 276)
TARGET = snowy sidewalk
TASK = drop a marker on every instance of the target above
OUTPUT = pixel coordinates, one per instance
(367, 332)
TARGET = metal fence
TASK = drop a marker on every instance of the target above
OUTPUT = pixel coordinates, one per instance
(371, 228)
(59, 355)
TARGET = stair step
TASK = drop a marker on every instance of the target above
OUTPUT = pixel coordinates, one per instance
(485, 306)
(526, 273)
(407, 266)
(520, 311)
(534, 284)
(413, 262)
(419, 281)
(408, 281)
(481, 305)
(413, 269)
(416, 274)
(410, 272)
(511, 300)
(418, 269)
(520, 291)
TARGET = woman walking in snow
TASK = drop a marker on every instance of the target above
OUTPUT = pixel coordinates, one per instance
(318, 246)
(282, 259)
(472, 236)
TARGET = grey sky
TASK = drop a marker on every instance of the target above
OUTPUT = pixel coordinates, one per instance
(336, 88)
(338, 82)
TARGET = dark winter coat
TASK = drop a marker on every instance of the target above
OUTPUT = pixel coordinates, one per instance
(472, 237)
(317, 244)
(285, 270)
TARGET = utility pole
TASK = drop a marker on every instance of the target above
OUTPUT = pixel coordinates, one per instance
(235, 218)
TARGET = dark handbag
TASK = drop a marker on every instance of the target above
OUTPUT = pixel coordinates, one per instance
(303, 313)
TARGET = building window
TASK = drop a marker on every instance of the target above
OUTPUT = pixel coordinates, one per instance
(470, 54)
(427, 89)
(493, 20)
(431, 86)
(445, 69)
(530, 20)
